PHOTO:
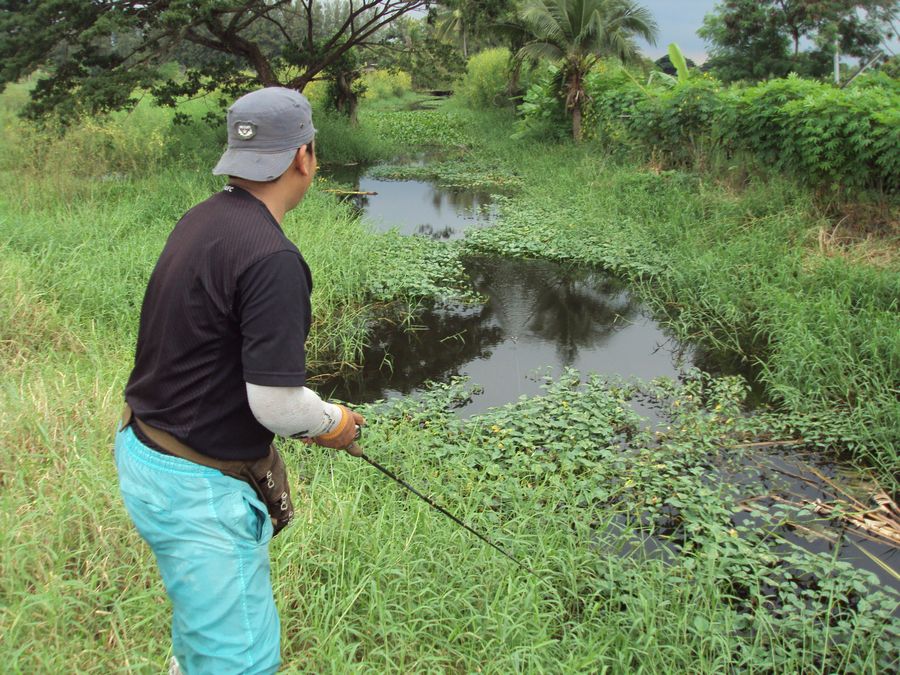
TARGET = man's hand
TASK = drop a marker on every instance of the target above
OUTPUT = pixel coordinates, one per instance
(343, 435)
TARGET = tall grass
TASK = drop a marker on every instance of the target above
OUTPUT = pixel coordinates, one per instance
(369, 579)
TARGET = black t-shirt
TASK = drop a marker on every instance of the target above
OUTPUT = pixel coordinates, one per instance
(227, 303)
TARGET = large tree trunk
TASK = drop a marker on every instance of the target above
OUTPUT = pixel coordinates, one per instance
(512, 89)
(576, 122)
(353, 104)
(347, 100)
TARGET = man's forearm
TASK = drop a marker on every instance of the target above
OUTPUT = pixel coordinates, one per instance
(292, 411)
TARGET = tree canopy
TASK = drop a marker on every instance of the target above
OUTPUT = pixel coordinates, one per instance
(575, 33)
(94, 53)
(755, 39)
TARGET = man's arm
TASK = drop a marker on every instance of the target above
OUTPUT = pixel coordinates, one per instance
(300, 413)
(292, 411)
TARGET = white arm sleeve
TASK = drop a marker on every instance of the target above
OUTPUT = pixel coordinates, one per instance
(292, 411)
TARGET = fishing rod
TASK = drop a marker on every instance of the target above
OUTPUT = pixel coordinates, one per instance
(355, 450)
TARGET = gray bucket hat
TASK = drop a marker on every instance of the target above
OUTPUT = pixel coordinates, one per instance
(265, 128)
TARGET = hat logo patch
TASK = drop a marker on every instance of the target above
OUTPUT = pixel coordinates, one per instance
(245, 130)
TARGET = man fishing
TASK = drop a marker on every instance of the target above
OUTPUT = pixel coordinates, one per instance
(219, 370)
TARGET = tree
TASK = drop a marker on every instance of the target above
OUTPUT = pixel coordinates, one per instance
(755, 39)
(409, 44)
(96, 52)
(465, 18)
(575, 33)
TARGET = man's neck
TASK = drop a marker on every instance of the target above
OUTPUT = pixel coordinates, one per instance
(267, 193)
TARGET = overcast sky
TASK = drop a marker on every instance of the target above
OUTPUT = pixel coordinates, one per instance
(678, 22)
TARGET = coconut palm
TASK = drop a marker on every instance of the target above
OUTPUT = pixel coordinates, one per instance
(576, 33)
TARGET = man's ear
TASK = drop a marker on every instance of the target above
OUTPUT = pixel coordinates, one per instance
(302, 160)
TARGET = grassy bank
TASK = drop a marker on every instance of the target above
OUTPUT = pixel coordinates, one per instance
(741, 263)
(371, 579)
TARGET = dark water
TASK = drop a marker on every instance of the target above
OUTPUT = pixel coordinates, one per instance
(540, 317)
(415, 207)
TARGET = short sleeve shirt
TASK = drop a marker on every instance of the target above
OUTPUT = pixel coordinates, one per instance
(228, 303)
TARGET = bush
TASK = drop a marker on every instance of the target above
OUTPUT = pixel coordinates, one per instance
(828, 138)
(542, 112)
(487, 79)
(317, 93)
(383, 84)
(825, 136)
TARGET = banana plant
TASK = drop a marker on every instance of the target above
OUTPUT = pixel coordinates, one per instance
(680, 63)
(676, 57)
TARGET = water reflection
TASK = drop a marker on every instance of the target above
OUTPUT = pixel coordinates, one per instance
(539, 317)
(414, 207)
(571, 308)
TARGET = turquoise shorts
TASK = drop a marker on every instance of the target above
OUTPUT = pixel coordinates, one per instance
(210, 534)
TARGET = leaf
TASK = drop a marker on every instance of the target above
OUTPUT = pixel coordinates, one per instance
(678, 60)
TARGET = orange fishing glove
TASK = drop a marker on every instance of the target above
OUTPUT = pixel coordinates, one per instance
(343, 435)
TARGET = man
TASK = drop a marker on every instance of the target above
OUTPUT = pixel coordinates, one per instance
(219, 369)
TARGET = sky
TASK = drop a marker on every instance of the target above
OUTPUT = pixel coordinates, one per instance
(678, 22)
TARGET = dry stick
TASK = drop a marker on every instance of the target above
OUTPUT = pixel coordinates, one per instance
(878, 532)
(886, 527)
(762, 444)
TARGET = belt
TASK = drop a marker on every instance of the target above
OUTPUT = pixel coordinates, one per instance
(172, 446)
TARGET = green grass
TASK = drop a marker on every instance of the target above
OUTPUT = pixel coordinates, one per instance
(370, 579)
(738, 269)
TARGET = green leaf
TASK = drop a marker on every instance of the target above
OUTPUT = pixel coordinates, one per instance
(678, 60)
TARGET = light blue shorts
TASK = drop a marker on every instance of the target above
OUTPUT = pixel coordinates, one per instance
(210, 534)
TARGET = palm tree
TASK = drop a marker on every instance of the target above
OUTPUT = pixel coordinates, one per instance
(452, 18)
(576, 33)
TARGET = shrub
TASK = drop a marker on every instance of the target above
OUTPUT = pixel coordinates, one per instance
(317, 93)
(487, 79)
(542, 112)
(828, 138)
(383, 84)
(679, 122)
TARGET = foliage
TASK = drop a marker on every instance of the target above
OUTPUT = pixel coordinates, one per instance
(414, 269)
(97, 54)
(381, 84)
(824, 136)
(676, 58)
(542, 111)
(831, 139)
(407, 129)
(474, 174)
(755, 40)
(582, 439)
(410, 45)
(485, 82)
(575, 33)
